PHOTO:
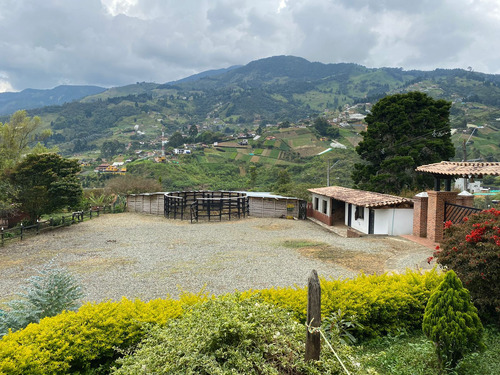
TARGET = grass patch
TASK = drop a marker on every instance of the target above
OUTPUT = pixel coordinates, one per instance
(352, 260)
(299, 244)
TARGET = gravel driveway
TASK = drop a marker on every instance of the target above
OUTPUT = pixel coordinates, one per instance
(146, 257)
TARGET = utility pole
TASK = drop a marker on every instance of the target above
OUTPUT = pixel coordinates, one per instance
(464, 148)
(328, 168)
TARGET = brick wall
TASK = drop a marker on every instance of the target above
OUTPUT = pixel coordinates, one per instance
(465, 200)
(420, 210)
(328, 220)
(435, 213)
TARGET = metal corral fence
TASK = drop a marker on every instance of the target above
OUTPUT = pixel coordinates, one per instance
(22, 231)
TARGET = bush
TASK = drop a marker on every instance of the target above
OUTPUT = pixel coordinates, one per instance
(94, 336)
(472, 250)
(87, 339)
(49, 293)
(229, 336)
(451, 322)
(381, 304)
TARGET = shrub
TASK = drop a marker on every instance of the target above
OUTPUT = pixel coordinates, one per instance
(451, 322)
(90, 338)
(229, 336)
(94, 336)
(472, 250)
(49, 293)
(382, 304)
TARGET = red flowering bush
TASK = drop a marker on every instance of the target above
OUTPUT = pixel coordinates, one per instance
(472, 250)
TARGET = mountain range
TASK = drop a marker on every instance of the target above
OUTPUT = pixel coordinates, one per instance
(270, 90)
(33, 98)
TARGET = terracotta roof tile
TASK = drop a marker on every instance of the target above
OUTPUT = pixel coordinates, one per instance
(360, 197)
(461, 169)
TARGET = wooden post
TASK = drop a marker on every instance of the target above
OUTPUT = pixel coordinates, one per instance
(313, 343)
(2, 236)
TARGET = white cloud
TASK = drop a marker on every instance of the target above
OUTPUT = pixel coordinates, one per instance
(116, 42)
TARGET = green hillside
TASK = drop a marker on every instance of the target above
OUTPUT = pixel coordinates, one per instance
(256, 99)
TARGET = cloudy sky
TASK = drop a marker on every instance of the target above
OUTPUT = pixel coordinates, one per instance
(116, 42)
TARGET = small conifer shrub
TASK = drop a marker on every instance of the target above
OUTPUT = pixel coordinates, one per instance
(49, 293)
(451, 322)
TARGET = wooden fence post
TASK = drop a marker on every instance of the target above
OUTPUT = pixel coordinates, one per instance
(313, 343)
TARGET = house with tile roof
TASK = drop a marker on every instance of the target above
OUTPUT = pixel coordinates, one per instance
(365, 211)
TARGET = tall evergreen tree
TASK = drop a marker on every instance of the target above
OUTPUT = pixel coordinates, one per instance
(404, 131)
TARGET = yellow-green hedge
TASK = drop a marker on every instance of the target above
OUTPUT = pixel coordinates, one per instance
(382, 303)
(77, 341)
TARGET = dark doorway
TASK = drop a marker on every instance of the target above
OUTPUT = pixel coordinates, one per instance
(371, 221)
(349, 214)
(338, 212)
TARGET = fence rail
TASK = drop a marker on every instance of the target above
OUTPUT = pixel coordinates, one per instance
(72, 218)
(456, 213)
(205, 205)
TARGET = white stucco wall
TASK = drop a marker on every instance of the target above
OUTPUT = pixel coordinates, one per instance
(322, 203)
(359, 224)
(390, 221)
(394, 221)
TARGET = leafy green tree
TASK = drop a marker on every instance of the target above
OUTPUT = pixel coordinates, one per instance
(46, 183)
(7, 198)
(111, 148)
(404, 131)
(193, 132)
(285, 124)
(324, 129)
(451, 322)
(176, 140)
(16, 136)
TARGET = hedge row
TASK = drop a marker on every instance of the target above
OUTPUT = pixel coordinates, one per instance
(381, 303)
(97, 333)
(77, 341)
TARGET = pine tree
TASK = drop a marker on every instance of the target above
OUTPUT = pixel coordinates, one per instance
(451, 322)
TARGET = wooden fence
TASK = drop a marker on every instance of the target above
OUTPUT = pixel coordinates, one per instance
(205, 205)
(181, 205)
(149, 203)
(22, 231)
(218, 208)
(277, 207)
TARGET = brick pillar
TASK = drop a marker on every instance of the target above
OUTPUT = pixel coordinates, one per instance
(420, 202)
(465, 199)
(435, 209)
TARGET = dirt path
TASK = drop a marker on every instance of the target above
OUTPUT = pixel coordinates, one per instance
(140, 256)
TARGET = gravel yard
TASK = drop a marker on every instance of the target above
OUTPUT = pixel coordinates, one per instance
(146, 257)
